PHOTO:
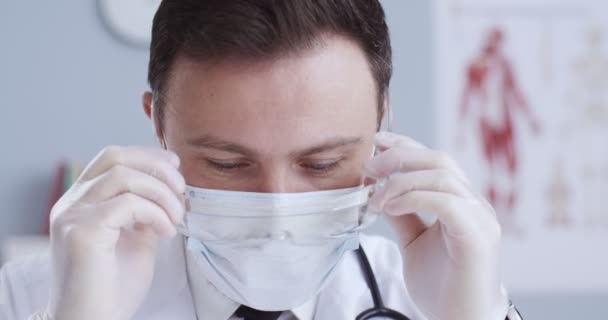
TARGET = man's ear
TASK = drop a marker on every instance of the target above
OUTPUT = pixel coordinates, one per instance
(147, 102)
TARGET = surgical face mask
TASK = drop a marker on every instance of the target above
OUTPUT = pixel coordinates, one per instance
(273, 251)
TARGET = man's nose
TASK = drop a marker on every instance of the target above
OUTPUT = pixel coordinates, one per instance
(276, 181)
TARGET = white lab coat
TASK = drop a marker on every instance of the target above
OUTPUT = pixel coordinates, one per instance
(24, 286)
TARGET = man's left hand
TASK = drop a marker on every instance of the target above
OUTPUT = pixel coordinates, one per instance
(450, 266)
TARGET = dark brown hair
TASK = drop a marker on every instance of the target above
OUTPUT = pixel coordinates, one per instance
(210, 30)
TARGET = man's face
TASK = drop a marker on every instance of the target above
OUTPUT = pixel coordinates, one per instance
(303, 122)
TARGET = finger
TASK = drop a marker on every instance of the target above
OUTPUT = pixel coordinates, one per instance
(156, 162)
(408, 227)
(455, 213)
(121, 179)
(129, 210)
(385, 140)
(485, 203)
(404, 159)
(427, 180)
(368, 181)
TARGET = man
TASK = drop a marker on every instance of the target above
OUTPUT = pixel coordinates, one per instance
(254, 100)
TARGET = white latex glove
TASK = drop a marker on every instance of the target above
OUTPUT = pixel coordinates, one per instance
(451, 266)
(105, 231)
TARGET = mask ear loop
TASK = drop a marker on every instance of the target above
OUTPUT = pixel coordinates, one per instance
(181, 226)
(368, 216)
(387, 124)
(389, 119)
(389, 128)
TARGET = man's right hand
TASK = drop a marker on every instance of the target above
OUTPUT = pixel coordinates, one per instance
(105, 231)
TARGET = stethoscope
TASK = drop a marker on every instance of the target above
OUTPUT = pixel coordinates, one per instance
(378, 310)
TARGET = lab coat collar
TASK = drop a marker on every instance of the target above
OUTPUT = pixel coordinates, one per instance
(211, 303)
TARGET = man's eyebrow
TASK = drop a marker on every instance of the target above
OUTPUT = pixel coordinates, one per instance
(211, 142)
(329, 145)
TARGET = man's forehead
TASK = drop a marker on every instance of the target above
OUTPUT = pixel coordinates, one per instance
(338, 73)
(295, 104)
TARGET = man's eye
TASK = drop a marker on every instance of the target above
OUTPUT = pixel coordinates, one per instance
(227, 166)
(322, 167)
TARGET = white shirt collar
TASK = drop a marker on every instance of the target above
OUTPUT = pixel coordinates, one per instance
(211, 303)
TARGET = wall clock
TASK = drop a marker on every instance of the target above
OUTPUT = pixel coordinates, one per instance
(130, 21)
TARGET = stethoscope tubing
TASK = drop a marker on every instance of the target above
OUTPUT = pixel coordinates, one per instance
(379, 310)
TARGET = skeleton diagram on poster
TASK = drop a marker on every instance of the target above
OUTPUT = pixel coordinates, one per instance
(521, 101)
(587, 123)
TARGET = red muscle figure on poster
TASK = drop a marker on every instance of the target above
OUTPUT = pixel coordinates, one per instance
(492, 96)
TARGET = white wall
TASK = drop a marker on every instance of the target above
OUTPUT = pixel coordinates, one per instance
(68, 88)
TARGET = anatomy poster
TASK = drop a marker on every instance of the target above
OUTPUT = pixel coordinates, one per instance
(521, 100)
